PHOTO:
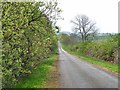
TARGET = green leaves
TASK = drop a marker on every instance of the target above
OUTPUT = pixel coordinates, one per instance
(27, 38)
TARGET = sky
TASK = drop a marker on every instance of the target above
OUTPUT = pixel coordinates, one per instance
(103, 12)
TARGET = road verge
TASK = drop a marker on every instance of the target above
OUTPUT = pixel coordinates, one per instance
(101, 64)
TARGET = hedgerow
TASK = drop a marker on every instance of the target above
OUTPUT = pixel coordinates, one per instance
(28, 37)
(105, 50)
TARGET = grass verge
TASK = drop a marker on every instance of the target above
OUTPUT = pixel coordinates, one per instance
(101, 63)
(39, 76)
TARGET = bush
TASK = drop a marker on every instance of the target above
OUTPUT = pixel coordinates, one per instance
(28, 37)
(102, 50)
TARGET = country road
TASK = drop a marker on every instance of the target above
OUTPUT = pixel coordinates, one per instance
(74, 73)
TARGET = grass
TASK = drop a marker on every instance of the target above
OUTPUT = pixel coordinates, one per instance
(39, 75)
(104, 64)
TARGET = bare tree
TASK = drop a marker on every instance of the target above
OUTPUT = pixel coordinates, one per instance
(84, 26)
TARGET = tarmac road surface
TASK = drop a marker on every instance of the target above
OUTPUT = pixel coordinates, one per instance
(74, 73)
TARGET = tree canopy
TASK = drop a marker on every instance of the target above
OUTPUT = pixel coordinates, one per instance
(84, 26)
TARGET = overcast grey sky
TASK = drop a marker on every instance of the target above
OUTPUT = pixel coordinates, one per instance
(103, 12)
